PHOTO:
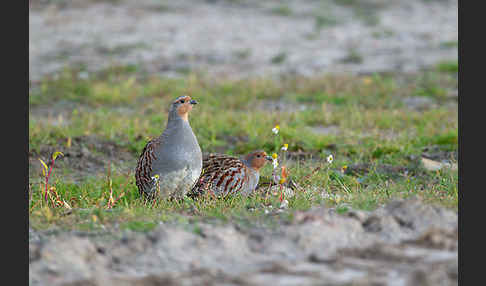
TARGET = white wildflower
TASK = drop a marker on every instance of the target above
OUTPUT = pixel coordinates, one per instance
(276, 129)
(275, 160)
(275, 163)
(155, 178)
(330, 158)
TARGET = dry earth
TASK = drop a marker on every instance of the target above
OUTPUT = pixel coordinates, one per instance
(402, 243)
(242, 38)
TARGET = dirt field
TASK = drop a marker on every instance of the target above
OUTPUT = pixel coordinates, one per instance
(243, 38)
(402, 243)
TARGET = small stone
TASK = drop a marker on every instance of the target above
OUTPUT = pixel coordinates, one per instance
(85, 152)
(357, 214)
(432, 165)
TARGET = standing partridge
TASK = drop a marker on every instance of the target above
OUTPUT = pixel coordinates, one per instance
(223, 174)
(171, 163)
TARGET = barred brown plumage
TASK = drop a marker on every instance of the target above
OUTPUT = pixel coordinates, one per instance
(224, 174)
(144, 165)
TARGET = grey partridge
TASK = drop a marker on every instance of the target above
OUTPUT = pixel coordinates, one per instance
(170, 164)
(224, 174)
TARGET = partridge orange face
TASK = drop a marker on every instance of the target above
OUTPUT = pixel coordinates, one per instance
(184, 106)
(258, 159)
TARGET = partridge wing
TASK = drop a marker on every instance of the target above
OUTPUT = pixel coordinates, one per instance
(221, 174)
(143, 170)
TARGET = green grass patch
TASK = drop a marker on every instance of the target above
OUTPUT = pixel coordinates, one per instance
(371, 125)
(448, 66)
(282, 10)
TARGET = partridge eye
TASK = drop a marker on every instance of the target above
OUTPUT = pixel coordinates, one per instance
(258, 156)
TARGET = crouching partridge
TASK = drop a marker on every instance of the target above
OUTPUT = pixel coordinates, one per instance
(223, 174)
(171, 163)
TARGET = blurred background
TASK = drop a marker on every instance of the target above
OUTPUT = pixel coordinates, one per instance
(240, 38)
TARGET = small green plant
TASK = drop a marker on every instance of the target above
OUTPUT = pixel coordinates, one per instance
(279, 58)
(448, 66)
(282, 10)
(322, 21)
(353, 57)
(46, 172)
(243, 54)
(449, 44)
(111, 200)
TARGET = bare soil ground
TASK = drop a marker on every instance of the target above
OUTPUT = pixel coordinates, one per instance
(242, 38)
(402, 243)
(79, 157)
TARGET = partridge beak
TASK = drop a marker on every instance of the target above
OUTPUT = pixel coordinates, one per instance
(269, 158)
(193, 102)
